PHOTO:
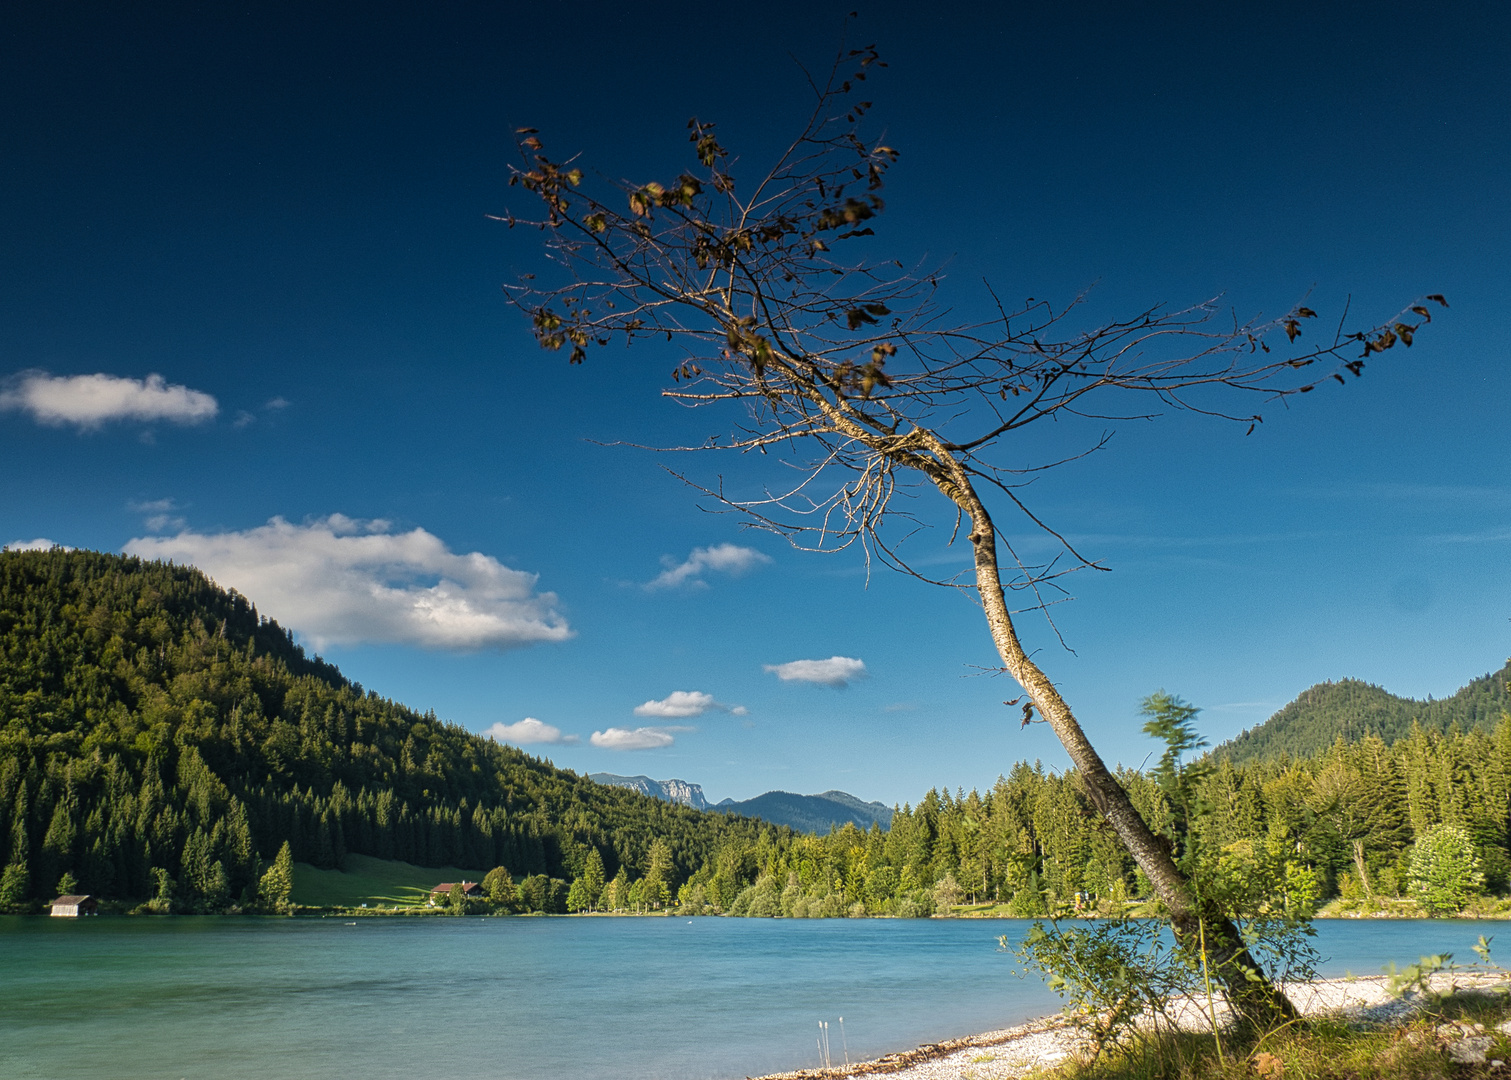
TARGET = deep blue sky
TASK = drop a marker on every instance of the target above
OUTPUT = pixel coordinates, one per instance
(283, 208)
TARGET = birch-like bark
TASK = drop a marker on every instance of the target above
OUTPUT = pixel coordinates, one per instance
(1249, 990)
(1358, 846)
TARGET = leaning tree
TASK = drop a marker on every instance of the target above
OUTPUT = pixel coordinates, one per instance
(852, 372)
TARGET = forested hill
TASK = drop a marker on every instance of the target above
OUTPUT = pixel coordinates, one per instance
(1352, 710)
(158, 738)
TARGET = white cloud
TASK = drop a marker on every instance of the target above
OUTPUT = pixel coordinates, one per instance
(39, 544)
(677, 704)
(726, 558)
(529, 731)
(640, 738)
(277, 403)
(342, 581)
(152, 506)
(158, 518)
(835, 671)
(682, 703)
(88, 401)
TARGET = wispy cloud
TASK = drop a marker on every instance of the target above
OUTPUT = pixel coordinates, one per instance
(529, 732)
(90, 401)
(1483, 536)
(683, 703)
(1467, 493)
(835, 671)
(641, 738)
(39, 544)
(157, 514)
(728, 559)
(245, 417)
(342, 581)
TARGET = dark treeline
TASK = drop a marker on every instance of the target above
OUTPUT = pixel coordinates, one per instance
(1340, 823)
(159, 742)
(160, 739)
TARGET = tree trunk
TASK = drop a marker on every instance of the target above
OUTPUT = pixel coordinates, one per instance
(1359, 862)
(1248, 989)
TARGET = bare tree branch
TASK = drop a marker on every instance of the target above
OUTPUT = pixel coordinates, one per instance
(855, 374)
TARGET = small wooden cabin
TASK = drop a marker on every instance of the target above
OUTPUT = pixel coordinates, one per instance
(470, 889)
(71, 907)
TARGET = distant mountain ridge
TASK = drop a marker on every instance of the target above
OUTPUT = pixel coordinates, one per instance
(811, 813)
(1352, 709)
(806, 813)
(673, 791)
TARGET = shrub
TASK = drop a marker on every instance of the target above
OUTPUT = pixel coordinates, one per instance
(1443, 871)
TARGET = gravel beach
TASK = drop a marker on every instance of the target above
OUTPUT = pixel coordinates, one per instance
(1014, 1052)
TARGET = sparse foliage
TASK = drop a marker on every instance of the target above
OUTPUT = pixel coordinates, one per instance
(854, 374)
(1118, 972)
(851, 372)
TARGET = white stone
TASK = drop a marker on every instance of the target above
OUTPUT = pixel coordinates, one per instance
(1470, 1050)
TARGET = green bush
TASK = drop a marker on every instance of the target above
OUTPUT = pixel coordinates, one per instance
(1443, 871)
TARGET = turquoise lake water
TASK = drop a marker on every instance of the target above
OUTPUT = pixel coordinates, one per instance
(527, 998)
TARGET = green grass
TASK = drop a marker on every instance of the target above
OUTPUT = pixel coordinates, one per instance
(371, 881)
(1322, 1049)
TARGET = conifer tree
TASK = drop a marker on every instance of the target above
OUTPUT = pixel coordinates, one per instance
(277, 885)
(657, 885)
(592, 878)
(14, 886)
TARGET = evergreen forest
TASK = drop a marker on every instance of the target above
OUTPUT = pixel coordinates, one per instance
(160, 740)
(1352, 710)
(161, 743)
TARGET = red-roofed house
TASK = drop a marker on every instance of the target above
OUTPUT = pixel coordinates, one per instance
(470, 889)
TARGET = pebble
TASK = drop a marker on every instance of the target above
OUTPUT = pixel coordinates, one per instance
(1019, 1052)
(1471, 1050)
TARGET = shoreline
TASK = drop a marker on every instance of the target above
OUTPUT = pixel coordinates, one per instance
(120, 909)
(1015, 1052)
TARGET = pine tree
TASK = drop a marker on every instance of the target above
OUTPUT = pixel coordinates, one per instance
(14, 885)
(657, 888)
(616, 893)
(592, 878)
(277, 885)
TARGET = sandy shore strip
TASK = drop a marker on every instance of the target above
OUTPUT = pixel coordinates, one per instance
(1015, 1052)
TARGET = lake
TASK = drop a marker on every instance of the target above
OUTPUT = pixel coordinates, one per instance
(528, 998)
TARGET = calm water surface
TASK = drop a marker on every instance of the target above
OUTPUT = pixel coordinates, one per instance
(526, 999)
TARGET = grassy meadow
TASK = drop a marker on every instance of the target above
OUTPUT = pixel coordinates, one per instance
(373, 882)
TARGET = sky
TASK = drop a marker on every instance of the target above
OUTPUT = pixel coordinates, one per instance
(251, 319)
